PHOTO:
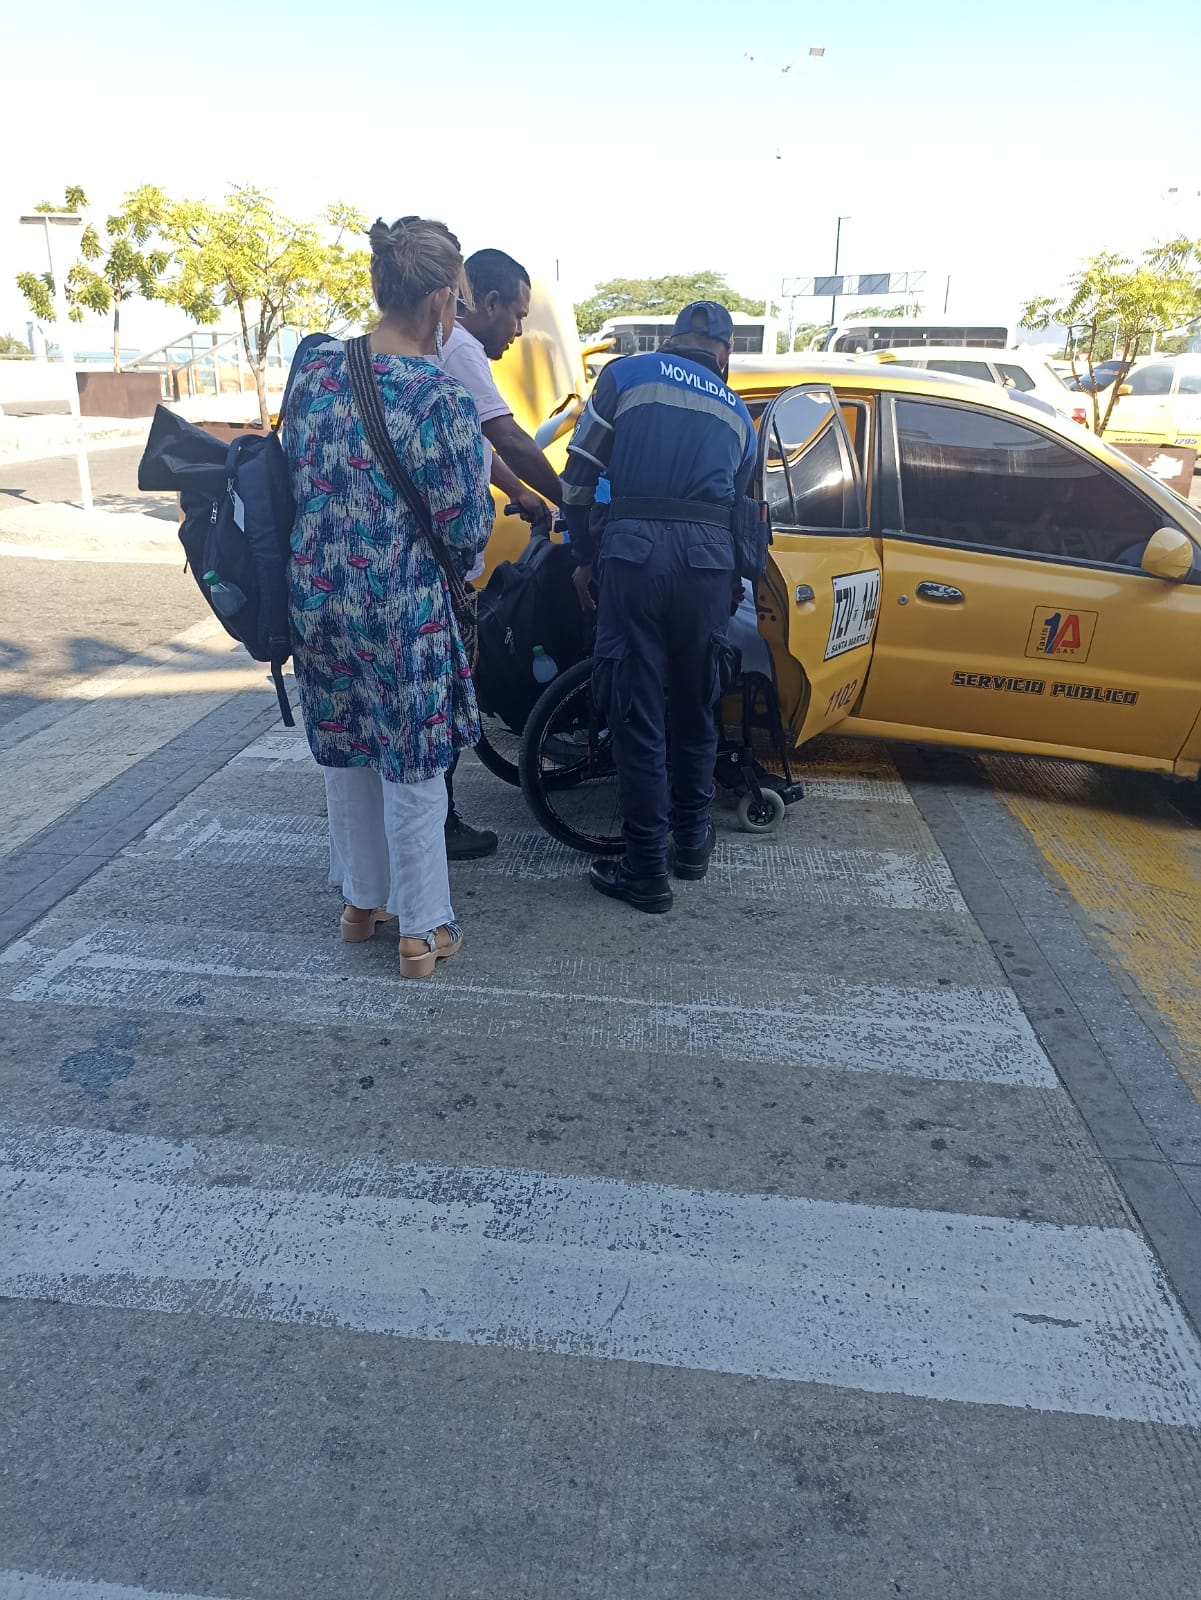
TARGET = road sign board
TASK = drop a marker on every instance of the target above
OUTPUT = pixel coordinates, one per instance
(851, 284)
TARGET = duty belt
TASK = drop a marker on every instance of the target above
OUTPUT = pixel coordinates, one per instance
(668, 510)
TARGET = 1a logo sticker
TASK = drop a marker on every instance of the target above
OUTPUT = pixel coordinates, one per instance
(1066, 635)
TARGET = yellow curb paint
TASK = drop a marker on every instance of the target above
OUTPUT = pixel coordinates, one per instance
(1132, 862)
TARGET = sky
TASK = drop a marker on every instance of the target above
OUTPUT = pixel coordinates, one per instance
(992, 144)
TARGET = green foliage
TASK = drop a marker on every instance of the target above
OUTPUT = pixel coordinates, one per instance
(885, 313)
(126, 260)
(340, 295)
(658, 297)
(11, 346)
(804, 334)
(273, 270)
(1113, 306)
(39, 287)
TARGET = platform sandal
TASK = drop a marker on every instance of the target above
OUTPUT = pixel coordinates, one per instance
(421, 966)
(356, 929)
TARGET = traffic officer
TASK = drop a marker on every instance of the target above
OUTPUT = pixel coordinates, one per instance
(678, 448)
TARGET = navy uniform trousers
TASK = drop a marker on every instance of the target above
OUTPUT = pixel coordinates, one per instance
(660, 663)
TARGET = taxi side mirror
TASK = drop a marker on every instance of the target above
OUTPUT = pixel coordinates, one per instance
(1124, 388)
(1169, 554)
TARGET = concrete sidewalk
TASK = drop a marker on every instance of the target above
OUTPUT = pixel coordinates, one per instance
(756, 1248)
(62, 532)
(36, 437)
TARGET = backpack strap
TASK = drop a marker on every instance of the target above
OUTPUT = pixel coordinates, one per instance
(308, 343)
(281, 694)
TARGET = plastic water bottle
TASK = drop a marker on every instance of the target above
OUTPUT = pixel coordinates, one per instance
(545, 667)
(227, 599)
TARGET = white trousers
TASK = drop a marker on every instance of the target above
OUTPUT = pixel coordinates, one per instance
(387, 846)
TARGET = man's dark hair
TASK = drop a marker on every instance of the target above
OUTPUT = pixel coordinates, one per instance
(491, 270)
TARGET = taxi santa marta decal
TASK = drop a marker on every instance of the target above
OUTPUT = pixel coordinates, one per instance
(856, 605)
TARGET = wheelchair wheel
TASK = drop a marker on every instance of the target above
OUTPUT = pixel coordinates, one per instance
(761, 816)
(498, 748)
(568, 775)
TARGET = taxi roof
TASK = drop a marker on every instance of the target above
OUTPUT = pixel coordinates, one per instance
(762, 377)
(769, 374)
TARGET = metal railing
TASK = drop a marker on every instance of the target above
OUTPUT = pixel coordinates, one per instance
(212, 361)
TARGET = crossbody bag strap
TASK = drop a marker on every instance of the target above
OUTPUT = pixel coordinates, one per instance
(365, 388)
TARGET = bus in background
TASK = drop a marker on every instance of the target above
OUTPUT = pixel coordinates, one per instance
(631, 335)
(854, 338)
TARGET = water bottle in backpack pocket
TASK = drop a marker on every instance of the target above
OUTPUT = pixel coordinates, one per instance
(544, 667)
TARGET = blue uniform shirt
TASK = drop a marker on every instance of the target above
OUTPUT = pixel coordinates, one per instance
(660, 425)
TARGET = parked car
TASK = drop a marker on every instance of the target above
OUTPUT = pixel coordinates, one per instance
(961, 564)
(1100, 378)
(1022, 370)
(1161, 396)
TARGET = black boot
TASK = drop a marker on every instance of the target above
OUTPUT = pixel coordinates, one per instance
(610, 877)
(692, 861)
(467, 844)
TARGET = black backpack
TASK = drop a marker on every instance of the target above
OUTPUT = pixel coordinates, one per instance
(527, 602)
(238, 513)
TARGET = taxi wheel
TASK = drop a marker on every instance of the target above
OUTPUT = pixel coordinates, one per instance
(761, 816)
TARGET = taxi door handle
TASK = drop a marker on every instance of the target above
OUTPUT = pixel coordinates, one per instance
(944, 592)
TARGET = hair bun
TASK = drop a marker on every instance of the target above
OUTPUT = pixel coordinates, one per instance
(409, 258)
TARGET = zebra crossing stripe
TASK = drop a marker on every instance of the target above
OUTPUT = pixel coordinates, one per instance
(903, 879)
(35, 1586)
(963, 1033)
(886, 1300)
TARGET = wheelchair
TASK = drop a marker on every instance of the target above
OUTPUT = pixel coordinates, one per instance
(562, 756)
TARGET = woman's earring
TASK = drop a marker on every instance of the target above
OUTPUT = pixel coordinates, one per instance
(438, 339)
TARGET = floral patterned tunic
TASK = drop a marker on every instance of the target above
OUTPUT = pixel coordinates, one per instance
(383, 678)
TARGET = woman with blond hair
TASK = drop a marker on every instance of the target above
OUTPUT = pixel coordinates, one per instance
(384, 678)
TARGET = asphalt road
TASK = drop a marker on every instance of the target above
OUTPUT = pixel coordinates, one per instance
(56, 478)
(829, 1238)
(61, 621)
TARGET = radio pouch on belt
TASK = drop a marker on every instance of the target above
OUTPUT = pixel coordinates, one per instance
(752, 535)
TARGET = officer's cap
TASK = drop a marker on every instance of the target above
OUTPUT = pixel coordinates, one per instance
(706, 317)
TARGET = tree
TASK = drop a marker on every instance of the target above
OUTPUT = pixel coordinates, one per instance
(39, 288)
(1113, 305)
(274, 271)
(803, 336)
(113, 267)
(11, 346)
(658, 297)
(885, 313)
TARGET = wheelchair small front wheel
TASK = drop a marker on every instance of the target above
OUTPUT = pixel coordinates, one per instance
(568, 774)
(761, 814)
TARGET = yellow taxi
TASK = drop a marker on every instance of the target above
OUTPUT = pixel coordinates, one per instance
(968, 567)
(964, 566)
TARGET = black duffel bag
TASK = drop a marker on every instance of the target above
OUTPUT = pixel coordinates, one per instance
(529, 606)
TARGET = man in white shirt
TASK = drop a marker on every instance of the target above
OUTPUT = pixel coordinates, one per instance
(501, 291)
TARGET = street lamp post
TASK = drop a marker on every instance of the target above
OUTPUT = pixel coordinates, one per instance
(837, 244)
(66, 219)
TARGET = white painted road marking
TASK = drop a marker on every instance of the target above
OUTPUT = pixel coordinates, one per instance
(35, 1586)
(279, 749)
(968, 1034)
(872, 778)
(902, 880)
(891, 1301)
